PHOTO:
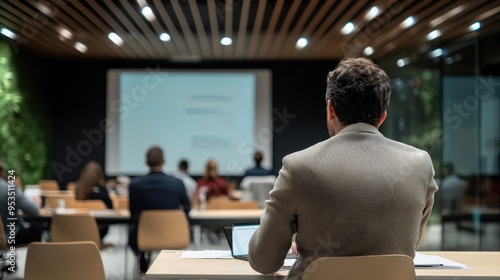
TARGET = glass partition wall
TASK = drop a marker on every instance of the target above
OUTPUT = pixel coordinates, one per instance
(447, 101)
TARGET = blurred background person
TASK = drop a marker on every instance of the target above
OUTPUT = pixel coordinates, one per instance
(453, 189)
(183, 174)
(257, 170)
(211, 183)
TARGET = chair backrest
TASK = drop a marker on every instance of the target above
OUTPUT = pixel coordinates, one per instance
(71, 186)
(387, 267)
(223, 202)
(120, 202)
(162, 229)
(63, 261)
(74, 227)
(48, 185)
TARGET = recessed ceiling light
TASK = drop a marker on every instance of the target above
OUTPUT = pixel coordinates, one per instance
(65, 33)
(475, 26)
(436, 52)
(402, 62)
(348, 28)
(226, 41)
(148, 13)
(445, 17)
(8, 33)
(301, 43)
(433, 35)
(44, 9)
(368, 51)
(408, 22)
(80, 47)
(165, 37)
(115, 38)
(372, 13)
(142, 3)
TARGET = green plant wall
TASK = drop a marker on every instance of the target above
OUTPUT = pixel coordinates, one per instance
(23, 139)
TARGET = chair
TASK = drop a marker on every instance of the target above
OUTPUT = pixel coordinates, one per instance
(48, 185)
(75, 227)
(120, 202)
(63, 261)
(387, 267)
(71, 186)
(258, 187)
(162, 229)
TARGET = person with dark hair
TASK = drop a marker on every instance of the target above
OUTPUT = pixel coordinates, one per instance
(257, 170)
(91, 184)
(356, 193)
(9, 193)
(453, 189)
(155, 190)
(182, 173)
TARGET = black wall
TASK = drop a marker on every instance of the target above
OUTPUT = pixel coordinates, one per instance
(77, 95)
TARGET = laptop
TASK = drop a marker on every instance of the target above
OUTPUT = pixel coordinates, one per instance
(238, 237)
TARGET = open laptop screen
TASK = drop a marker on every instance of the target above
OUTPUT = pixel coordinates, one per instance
(241, 238)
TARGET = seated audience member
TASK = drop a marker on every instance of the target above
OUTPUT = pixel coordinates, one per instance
(182, 173)
(24, 233)
(453, 189)
(257, 170)
(356, 193)
(155, 190)
(91, 186)
(211, 183)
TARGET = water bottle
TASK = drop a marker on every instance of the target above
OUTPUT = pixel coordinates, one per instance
(203, 201)
(61, 204)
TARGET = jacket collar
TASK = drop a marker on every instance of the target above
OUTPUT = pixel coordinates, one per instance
(360, 127)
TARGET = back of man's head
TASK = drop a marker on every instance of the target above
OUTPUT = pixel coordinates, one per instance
(183, 165)
(154, 157)
(257, 157)
(359, 90)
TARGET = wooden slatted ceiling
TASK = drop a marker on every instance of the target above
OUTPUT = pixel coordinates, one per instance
(260, 29)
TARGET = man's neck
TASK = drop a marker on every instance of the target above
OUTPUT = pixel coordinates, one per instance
(156, 169)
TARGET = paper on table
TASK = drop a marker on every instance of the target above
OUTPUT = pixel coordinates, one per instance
(207, 254)
(422, 260)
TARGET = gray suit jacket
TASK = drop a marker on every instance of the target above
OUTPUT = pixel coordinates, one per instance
(357, 193)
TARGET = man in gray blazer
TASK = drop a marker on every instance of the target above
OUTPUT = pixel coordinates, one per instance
(356, 193)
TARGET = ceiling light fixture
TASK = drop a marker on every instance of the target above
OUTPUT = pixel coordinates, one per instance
(436, 53)
(115, 38)
(402, 62)
(408, 22)
(226, 41)
(81, 47)
(475, 26)
(348, 28)
(443, 18)
(368, 51)
(148, 13)
(65, 33)
(44, 9)
(165, 37)
(8, 33)
(301, 43)
(372, 13)
(433, 35)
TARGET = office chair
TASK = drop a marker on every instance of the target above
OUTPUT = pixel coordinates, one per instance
(48, 185)
(63, 261)
(387, 267)
(162, 230)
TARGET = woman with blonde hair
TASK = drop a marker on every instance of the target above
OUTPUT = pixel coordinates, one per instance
(211, 184)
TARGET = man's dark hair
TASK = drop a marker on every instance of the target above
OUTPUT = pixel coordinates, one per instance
(183, 165)
(257, 157)
(359, 90)
(154, 157)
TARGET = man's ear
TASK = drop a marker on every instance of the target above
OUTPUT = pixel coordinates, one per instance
(382, 119)
(330, 112)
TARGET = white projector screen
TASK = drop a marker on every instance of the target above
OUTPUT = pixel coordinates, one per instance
(195, 115)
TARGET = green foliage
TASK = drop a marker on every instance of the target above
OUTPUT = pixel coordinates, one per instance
(23, 142)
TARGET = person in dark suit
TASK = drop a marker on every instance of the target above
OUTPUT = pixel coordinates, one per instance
(155, 190)
(356, 193)
(257, 170)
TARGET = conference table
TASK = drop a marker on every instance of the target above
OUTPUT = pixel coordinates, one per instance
(170, 265)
